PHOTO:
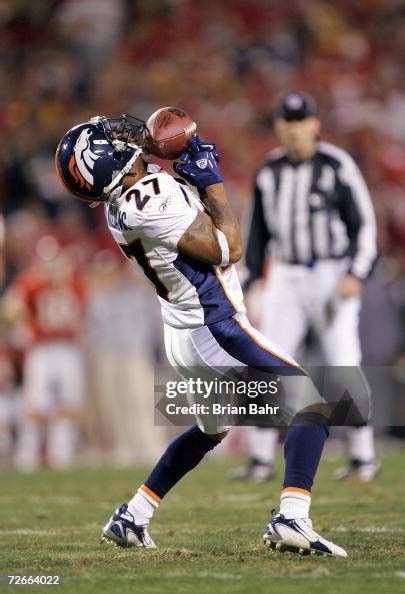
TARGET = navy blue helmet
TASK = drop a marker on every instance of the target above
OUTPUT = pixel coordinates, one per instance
(93, 157)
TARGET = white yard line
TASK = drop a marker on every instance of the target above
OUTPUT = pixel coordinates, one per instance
(218, 575)
(28, 532)
(57, 499)
(370, 529)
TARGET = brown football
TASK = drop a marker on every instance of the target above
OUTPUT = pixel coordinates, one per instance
(168, 131)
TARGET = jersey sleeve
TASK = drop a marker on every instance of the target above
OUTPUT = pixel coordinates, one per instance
(163, 217)
(258, 232)
(358, 213)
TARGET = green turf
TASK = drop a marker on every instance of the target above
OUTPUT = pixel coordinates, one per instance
(208, 532)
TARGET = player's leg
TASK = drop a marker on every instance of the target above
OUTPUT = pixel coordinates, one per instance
(63, 430)
(230, 344)
(283, 320)
(363, 460)
(128, 525)
(261, 449)
(36, 406)
(340, 341)
(291, 528)
(284, 317)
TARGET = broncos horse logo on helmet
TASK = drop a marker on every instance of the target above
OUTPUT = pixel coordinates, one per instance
(93, 157)
(81, 163)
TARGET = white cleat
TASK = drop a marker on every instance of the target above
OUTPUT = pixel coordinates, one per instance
(254, 472)
(122, 531)
(365, 471)
(368, 471)
(299, 537)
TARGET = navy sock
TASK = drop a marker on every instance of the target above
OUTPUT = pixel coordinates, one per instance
(302, 451)
(182, 455)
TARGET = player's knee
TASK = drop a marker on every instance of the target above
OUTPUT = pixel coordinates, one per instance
(218, 437)
(315, 414)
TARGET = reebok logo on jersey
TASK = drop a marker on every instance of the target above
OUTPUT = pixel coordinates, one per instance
(165, 204)
(202, 163)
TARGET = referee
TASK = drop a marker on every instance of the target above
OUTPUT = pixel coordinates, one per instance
(313, 215)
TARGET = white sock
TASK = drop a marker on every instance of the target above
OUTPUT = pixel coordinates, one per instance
(294, 504)
(262, 444)
(361, 443)
(142, 506)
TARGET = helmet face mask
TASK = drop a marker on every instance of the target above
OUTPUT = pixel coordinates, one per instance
(92, 158)
(123, 131)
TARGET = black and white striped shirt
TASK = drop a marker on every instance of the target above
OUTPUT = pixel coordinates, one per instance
(311, 210)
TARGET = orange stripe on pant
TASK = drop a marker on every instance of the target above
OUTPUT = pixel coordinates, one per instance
(297, 490)
(151, 493)
(266, 348)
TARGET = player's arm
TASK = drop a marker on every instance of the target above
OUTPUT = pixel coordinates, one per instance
(222, 240)
(202, 240)
(358, 213)
(258, 237)
(2, 242)
(13, 308)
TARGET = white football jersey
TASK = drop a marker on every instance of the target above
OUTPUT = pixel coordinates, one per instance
(147, 221)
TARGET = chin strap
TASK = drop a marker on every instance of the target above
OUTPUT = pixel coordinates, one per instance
(116, 181)
(113, 197)
(115, 194)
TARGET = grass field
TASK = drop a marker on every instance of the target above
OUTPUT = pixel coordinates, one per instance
(208, 532)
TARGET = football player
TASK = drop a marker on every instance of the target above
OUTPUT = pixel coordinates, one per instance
(186, 246)
(46, 304)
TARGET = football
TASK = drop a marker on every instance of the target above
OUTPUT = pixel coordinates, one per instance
(168, 131)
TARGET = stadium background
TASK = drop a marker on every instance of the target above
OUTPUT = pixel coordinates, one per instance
(224, 62)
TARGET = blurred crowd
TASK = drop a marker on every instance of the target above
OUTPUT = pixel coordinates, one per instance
(65, 288)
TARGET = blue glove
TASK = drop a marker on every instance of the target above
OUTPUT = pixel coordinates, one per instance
(199, 164)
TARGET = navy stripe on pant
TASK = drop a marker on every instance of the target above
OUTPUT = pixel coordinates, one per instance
(304, 443)
(236, 341)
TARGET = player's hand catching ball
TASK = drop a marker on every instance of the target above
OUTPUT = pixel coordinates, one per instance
(349, 286)
(199, 164)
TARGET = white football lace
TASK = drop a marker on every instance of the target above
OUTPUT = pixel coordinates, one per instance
(190, 128)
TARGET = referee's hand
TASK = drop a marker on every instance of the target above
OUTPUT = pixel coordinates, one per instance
(349, 286)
